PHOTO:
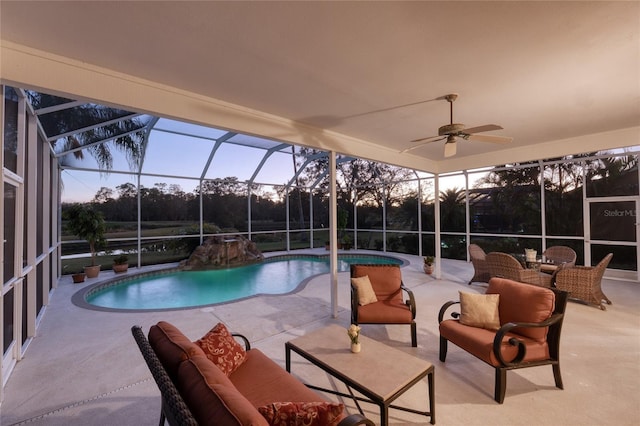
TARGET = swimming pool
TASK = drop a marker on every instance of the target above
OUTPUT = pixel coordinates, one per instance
(186, 289)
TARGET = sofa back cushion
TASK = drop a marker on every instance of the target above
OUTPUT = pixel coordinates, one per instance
(211, 396)
(171, 346)
(523, 303)
(385, 279)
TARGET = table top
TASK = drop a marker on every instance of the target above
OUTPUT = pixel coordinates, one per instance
(380, 370)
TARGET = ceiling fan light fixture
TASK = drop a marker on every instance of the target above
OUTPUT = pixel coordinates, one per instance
(450, 146)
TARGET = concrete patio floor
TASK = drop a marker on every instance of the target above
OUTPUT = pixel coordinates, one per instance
(84, 367)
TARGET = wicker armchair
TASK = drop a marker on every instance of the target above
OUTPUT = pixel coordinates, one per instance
(559, 255)
(504, 265)
(583, 283)
(479, 260)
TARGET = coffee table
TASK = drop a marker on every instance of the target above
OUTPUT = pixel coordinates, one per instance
(379, 372)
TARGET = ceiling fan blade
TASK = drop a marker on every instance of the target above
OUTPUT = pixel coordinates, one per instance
(450, 149)
(427, 139)
(485, 128)
(490, 138)
(425, 142)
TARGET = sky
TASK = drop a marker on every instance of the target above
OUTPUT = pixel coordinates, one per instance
(173, 153)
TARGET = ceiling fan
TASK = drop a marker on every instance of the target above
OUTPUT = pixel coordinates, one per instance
(452, 131)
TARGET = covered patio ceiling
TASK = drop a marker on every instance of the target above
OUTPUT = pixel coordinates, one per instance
(358, 78)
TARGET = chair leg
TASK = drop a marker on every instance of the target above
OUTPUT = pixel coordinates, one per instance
(443, 348)
(557, 376)
(501, 385)
(414, 335)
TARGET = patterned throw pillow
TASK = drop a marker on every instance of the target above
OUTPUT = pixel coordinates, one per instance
(222, 349)
(302, 413)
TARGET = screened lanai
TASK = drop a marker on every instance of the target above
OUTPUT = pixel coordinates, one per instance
(190, 182)
(165, 185)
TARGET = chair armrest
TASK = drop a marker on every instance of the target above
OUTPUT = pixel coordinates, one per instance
(554, 276)
(247, 345)
(355, 419)
(354, 304)
(522, 350)
(411, 302)
(444, 308)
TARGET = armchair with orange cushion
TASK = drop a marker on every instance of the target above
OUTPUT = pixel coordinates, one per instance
(513, 325)
(378, 297)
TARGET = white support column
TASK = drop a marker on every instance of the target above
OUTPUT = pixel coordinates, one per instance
(333, 234)
(436, 208)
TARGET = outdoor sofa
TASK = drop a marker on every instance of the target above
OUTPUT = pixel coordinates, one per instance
(242, 387)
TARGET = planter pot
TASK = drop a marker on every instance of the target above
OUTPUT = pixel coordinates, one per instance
(120, 268)
(355, 348)
(92, 271)
(78, 278)
(428, 269)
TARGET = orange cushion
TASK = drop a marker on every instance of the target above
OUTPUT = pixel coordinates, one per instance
(276, 384)
(479, 342)
(222, 349)
(385, 312)
(385, 279)
(302, 413)
(171, 346)
(212, 398)
(523, 303)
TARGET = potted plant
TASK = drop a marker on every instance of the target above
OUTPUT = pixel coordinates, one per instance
(428, 264)
(78, 278)
(120, 264)
(346, 242)
(88, 224)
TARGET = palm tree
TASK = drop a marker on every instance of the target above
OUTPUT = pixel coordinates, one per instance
(75, 128)
(452, 210)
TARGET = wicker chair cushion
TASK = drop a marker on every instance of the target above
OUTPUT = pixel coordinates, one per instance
(480, 310)
(302, 413)
(385, 280)
(222, 349)
(211, 396)
(171, 346)
(366, 294)
(523, 303)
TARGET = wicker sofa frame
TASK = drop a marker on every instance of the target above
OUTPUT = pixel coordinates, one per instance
(173, 407)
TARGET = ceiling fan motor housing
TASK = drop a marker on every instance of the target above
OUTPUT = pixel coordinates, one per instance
(451, 129)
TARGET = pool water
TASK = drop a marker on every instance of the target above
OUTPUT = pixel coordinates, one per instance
(183, 289)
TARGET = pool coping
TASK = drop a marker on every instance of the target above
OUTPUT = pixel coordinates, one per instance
(79, 298)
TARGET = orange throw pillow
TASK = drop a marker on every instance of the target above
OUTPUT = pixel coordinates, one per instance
(222, 349)
(302, 413)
